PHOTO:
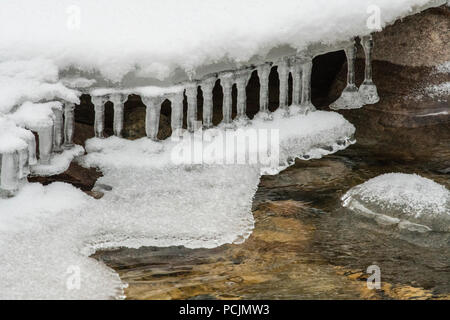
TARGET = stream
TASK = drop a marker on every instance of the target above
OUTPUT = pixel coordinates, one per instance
(305, 245)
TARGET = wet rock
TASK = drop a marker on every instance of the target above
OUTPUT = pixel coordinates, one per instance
(134, 124)
(95, 194)
(76, 175)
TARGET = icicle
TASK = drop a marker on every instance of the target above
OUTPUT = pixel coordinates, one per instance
(226, 80)
(24, 169)
(118, 101)
(45, 144)
(207, 86)
(242, 78)
(306, 104)
(9, 174)
(69, 124)
(32, 160)
(191, 94)
(283, 74)
(58, 130)
(296, 70)
(152, 115)
(263, 74)
(350, 97)
(99, 107)
(177, 113)
(368, 90)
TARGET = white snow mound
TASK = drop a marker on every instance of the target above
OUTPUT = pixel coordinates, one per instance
(404, 199)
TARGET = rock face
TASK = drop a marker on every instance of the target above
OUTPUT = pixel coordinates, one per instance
(418, 40)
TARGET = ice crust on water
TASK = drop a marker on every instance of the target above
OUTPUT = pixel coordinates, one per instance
(49, 231)
(409, 200)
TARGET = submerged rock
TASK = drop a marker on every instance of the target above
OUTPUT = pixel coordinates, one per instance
(408, 201)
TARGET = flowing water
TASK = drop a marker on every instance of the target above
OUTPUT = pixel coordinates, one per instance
(305, 245)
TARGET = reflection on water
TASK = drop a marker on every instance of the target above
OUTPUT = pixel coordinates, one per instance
(305, 245)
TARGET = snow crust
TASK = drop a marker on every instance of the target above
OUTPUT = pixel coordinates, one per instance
(397, 197)
(48, 232)
(156, 38)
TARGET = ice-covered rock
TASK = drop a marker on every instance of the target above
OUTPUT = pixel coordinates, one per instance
(407, 200)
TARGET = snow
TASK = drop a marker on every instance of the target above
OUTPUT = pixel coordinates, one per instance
(156, 38)
(59, 162)
(438, 90)
(408, 197)
(31, 80)
(35, 116)
(153, 202)
(12, 138)
(147, 91)
(50, 49)
(443, 68)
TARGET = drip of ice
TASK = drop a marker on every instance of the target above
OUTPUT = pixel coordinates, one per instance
(406, 200)
(368, 89)
(350, 97)
(263, 74)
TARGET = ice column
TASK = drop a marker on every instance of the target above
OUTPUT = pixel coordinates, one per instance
(152, 115)
(9, 174)
(177, 113)
(31, 141)
(242, 78)
(99, 107)
(283, 74)
(296, 70)
(58, 129)
(69, 123)
(226, 81)
(24, 169)
(368, 89)
(118, 101)
(45, 144)
(350, 97)
(191, 94)
(306, 104)
(207, 89)
(263, 74)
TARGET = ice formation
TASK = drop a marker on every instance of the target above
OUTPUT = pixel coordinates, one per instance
(156, 200)
(407, 200)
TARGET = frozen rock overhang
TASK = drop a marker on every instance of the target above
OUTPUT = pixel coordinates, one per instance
(165, 42)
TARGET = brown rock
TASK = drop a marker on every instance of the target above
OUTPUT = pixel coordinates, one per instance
(418, 40)
(76, 175)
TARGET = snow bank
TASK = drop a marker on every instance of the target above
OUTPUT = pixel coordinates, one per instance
(12, 138)
(31, 80)
(157, 38)
(35, 116)
(411, 201)
(154, 202)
